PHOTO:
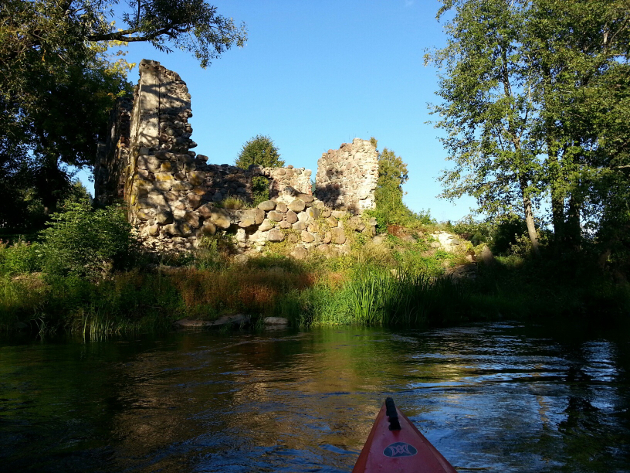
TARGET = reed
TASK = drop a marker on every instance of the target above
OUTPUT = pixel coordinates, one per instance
(359, 293)
(375, 296)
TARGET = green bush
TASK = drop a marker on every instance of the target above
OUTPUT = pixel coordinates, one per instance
(88, 243)
(474, 231)
(21, 257)
(260, 190)
(213, 252)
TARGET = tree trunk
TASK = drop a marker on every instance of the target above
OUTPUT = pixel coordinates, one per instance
(557, 202)
(573, 232)
(529, 217)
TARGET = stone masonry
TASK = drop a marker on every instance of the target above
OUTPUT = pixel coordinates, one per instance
(173, 196)
(347, 177)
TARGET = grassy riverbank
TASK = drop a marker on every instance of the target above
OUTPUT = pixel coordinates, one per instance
(87, 275)
(311, 293)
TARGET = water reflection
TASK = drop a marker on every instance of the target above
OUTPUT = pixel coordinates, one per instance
(498, 397)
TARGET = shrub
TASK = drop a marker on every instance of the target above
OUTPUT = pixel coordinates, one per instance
(233, 203)
(21, 257)
(260, 190)
(88, 243)
(20, 299)
(213, 251)
(474, 231)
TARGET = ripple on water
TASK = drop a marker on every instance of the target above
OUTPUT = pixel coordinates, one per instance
(495, 397)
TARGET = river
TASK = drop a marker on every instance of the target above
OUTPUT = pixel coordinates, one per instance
(491, 397)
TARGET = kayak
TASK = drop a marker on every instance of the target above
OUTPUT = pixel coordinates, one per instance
(395, 445)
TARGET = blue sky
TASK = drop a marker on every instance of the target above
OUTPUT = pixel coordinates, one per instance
(314, 75)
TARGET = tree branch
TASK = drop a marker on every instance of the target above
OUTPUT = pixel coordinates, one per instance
(123, 35)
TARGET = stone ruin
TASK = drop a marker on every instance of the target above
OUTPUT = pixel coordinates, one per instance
(174, 196)
(347, 177)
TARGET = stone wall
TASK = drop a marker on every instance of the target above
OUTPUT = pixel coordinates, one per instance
(173, 195)
(223, 180)
(347, 177)
(304, 223)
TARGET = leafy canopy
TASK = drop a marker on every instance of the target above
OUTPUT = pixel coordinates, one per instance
(487, 109)
(58, 83)
(259, 151)
(535, 108)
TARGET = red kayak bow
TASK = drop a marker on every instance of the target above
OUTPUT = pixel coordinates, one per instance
(395, 445)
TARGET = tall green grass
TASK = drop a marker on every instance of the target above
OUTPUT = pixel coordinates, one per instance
(359, 293)
(376, 296)
(129, 302)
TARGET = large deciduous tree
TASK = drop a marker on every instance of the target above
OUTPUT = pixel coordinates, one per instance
(487, 109)
(579, 55)
(57, 83)
(535, 106)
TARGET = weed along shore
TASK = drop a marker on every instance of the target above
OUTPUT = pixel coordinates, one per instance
(395, 280)
(400, 278)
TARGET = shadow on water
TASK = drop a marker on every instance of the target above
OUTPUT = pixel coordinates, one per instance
(497, 397)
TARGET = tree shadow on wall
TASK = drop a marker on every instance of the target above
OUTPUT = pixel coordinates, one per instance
(331, 195)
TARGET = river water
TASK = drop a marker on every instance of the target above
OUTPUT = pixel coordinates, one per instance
(492, 397)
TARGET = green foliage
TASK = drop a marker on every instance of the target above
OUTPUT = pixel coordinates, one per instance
(504, 234)
(38, 135)
(88, 243)
(19, 258)
(260, 190)
(474, 231)
(259, 151)
(487, 109)
(377, 296)
(507, 232)
(392, 174)
(390, 209)
(566, 289)
(371, 290)
(126, 303)
(58, 84)
(423, 217)
(213, 252)
(535, 106)
(20, 299)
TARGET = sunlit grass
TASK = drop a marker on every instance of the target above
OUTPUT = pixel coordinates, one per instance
(368, 287)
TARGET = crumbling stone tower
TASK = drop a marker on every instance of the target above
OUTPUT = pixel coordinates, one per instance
(347, 177)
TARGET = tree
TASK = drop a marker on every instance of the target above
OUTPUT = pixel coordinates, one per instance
(259, 151)
(57, 83)
(392, 174)
(52, 27)
(488, 109)
(52, 117)
(535, 105)
(579, 56)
